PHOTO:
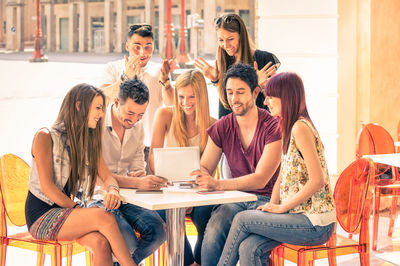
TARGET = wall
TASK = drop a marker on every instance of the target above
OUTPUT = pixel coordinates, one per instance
(304, 36)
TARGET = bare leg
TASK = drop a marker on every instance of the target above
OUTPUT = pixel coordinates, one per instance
(99, 247)
(86, 220)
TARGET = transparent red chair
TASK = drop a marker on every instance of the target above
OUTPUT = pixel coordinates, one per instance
(14, 178)
(352, 195)
(374, 139)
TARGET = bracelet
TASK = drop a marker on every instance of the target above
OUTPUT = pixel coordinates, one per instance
(76, 205)
(166, 83)
(114, 187)
(124, 77)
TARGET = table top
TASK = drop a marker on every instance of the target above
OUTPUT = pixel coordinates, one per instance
(175, 197)
(389, 159)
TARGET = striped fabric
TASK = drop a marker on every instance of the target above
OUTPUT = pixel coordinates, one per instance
(49, 224)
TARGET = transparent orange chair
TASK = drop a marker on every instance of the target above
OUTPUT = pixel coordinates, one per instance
(14, 178)
(374, 139)
(352, 195)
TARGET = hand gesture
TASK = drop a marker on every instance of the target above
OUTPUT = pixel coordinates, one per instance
(166, 67)
(112, 200)
(265, 73)
(152, 182)
(205, 181)
(209, 71)
(131, 65)
(273, 208)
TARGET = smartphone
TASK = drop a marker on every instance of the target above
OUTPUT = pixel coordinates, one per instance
(148, 191)
(277, 63)
(186, 185)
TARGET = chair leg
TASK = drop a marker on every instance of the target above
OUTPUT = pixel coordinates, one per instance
(393, 214)
(376, 218)
(3, 254)
(40, 256)
(70, 248)
(89, 259)
(56, 258)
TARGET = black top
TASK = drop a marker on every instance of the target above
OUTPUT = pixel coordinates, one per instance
(262, 58)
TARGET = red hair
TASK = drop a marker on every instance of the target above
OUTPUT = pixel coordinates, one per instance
(289, 88)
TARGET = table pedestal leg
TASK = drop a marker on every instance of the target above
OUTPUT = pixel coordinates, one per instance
(175, 235)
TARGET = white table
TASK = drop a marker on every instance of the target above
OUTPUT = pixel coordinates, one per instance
(392, 159)
(175, 201)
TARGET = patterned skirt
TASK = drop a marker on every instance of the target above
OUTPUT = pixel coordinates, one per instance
(49, 224)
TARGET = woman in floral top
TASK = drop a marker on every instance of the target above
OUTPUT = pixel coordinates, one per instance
(301, 210)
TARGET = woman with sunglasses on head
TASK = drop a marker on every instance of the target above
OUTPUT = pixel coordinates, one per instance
(66, 159)
(301, 210)
(234, 45)
(181, 125)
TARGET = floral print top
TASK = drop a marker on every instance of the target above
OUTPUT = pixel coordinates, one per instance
(320, 207)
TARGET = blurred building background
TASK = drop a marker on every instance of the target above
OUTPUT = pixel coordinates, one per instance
(346, 51)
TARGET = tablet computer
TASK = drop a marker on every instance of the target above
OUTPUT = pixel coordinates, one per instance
(176, 163)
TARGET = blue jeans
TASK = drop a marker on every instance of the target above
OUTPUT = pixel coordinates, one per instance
(147, 223)
(218, 228)
(200, 216)
(255, 233)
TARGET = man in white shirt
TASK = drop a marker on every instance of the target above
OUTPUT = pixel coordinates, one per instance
(139, 44)
(123, 151)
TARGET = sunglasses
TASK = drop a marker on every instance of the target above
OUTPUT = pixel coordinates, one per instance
(137, 27)
(225, 18)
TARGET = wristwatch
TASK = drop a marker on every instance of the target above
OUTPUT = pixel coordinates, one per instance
(166, 83)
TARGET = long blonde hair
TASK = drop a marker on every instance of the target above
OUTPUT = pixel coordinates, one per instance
(196, 79)
(84, 143)
(232, 23)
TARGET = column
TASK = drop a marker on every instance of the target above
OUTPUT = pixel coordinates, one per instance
(193, 31)
(252, 19)
(122, 30)
(72, 27)
(108, 25)
(161, 26)
(210, 39)
(149, 12)
(50, 26)
(83, 26)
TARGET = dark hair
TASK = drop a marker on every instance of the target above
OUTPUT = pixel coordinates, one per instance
(134, 89)
(244, 72)
(143, 30)
(232, 23)
(84, 143)
(288, 87)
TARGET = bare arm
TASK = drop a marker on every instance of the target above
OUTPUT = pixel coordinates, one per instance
(305, 142)
(112, 198)
(265, 169)
(42, 151)
(161, 124)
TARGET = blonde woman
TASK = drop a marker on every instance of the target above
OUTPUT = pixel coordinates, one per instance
(185, 124)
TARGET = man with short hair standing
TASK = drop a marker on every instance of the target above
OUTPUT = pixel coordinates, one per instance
(140, 46)
(123, 151)
(251, 141)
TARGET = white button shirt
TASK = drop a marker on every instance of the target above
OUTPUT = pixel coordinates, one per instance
(127, 156)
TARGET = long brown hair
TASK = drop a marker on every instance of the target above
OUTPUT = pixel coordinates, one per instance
(196, 79)
(232, 23)
(84, 142)
(288, 87)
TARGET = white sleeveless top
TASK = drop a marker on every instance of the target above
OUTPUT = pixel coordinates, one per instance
(170, 140)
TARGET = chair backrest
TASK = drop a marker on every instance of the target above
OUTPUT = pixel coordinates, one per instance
(14, 180)
(351, 194)
(374, 139)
